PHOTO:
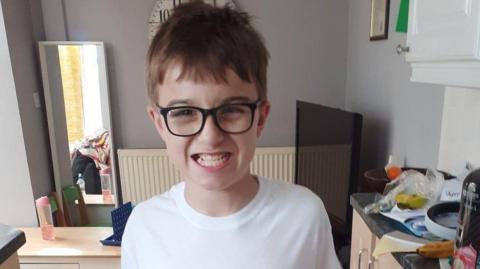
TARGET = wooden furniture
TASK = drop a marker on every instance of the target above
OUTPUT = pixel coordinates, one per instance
(363, 244)
(97, 199)
(11, 262)
(98, 210)
(58, 215)
(443, 42)
(74, 206)
(74, 247)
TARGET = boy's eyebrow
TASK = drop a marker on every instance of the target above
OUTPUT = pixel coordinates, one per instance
(178, 102)
(237, 98)
(225, 101)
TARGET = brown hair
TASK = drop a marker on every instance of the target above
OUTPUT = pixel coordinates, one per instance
(205, 41)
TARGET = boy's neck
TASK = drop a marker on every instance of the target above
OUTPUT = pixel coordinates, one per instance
(222, 203)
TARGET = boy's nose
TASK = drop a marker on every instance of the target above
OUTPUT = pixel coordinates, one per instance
(210, 133)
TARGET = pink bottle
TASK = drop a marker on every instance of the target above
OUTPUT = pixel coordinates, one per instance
(106, 181)
(44, 212)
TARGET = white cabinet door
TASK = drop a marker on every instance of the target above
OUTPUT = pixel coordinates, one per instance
(443, 30)
(362, 243)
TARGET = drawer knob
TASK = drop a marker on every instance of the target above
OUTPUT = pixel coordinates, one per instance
(401, 49)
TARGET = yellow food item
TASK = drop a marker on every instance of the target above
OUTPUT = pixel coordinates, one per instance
(402, 198)
(442, 249)
(412, 201)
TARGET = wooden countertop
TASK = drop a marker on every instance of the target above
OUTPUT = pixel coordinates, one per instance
(70, 241)
(97, 199)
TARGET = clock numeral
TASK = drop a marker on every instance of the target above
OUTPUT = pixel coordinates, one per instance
(176, 3)
(163, 14)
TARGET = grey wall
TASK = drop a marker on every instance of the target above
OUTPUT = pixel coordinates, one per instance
(307, 41)
(23, 29)
(15, 186)
(400, 117)
(310, 61)
(308, 58)
(53, 19)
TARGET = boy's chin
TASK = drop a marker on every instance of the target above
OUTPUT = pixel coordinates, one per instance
(216, 182)
(211, 183)
(215, 178)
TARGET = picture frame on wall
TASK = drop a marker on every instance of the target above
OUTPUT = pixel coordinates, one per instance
(379, 13)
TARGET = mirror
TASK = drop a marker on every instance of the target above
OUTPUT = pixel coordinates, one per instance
(79, 124)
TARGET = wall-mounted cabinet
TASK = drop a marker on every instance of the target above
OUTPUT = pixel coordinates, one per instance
(444, 42)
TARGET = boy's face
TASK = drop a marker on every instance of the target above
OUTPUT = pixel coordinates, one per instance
(212, 159)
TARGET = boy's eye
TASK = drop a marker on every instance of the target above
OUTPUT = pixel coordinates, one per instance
(230, 112)
(233, 109)
(183, 112)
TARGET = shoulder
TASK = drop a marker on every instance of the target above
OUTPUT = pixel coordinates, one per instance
(297, 198)
(292, 192)
(158, 204)
(159, 207)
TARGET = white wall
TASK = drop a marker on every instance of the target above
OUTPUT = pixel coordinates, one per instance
(400, 117)
(460, 139)
(16, 194)
(307, 41)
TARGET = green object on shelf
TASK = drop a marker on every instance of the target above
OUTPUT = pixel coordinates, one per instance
(402, 19)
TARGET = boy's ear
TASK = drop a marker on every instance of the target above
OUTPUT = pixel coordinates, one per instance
(157, 120)
(264, 111)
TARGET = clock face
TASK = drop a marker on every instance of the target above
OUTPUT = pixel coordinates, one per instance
(163, 8)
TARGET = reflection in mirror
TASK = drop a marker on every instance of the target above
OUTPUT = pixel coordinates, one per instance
(78, 112)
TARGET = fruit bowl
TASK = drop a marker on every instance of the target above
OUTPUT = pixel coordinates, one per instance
(377, 178)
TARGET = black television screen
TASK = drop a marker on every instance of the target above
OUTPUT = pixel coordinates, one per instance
(327, 158)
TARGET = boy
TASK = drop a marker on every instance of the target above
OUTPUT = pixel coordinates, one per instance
(206, 76)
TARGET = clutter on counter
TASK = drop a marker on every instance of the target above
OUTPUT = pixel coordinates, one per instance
(430, 208)
(380, 225)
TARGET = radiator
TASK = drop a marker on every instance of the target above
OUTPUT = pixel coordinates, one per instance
(145, 173)
(326, 171)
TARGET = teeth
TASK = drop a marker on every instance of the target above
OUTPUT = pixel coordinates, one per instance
(212, 159)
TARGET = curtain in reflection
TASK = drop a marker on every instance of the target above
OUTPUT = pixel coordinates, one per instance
(71, 70)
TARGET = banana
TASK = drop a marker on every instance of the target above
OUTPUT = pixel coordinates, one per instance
(412, 201)
(439, 249)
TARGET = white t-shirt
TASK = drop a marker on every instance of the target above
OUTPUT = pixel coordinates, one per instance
(285, 226)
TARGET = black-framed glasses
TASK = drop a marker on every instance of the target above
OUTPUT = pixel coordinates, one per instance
(234, 118)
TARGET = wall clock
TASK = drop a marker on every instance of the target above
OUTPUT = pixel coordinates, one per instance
(163, 8)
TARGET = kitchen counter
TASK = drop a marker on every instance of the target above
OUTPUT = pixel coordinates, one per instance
(73, 247)
(10, 241)
(380, 225)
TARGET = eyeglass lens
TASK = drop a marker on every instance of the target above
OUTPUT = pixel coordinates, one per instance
(231, 118)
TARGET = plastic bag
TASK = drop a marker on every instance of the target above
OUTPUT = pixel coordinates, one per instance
(411, 182)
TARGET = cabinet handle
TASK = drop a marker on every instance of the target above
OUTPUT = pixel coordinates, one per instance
(401, 49)
(363, 250)
(371, 263)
